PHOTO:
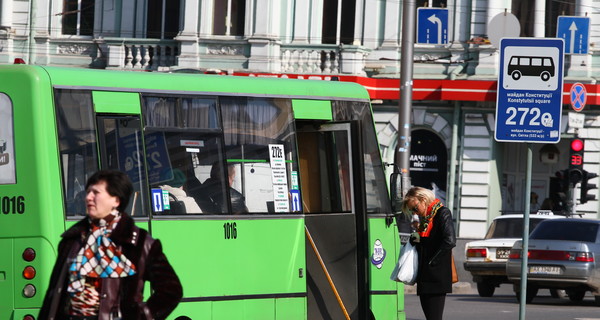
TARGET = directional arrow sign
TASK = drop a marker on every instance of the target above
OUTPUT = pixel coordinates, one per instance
(576, 33)
(157, 200)
(432, 25)
(296, 202)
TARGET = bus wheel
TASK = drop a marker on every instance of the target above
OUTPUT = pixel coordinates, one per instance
(545, 76)
(516, 75)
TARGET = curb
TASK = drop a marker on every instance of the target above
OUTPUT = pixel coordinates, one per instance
(457, 288)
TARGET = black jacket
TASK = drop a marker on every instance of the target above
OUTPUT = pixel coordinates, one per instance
(435, 254)
(118, 294)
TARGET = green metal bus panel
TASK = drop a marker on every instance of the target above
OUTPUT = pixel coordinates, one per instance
(312, 109)
(385, 292)
(116, 102)
(178, 83)
(7, 281)
(263, 264)
(35, 219)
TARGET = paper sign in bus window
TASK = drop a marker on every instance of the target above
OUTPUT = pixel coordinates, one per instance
(7, 151)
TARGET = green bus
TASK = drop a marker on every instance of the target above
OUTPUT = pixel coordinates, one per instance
(269, 195)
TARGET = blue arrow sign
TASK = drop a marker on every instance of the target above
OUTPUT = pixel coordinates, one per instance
(432, 25)
(530, 82)
(576, 33)
(296, 202)
(157, 200)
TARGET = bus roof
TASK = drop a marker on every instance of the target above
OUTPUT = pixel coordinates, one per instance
(113, 80)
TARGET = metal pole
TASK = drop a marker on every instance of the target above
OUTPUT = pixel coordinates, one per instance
(525, 242)
(406, 87)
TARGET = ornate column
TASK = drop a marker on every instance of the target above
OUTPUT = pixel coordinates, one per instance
(265, 45)
(539, 19)
(189, 57)
(6, 13)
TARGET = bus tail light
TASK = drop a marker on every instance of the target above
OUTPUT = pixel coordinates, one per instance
(29, 272)
(29, 254)
(29, 291)
(19, 61)
(28, 317)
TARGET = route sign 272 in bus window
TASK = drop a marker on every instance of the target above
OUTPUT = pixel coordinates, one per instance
(530, 81)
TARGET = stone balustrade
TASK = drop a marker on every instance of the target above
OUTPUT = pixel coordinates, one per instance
(142, 54)
(310, 59)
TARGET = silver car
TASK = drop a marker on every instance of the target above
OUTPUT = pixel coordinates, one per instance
(562, 255)
(486, 259)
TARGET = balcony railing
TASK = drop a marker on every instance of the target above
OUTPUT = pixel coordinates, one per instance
(312, 59)
(141, 54)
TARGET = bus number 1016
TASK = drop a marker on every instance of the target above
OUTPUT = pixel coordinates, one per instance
(230, 230)
(13, 205)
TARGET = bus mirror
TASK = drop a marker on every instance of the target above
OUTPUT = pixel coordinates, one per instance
(394, 192)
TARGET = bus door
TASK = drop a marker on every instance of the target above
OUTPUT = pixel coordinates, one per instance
(327, 164)
(121, 148)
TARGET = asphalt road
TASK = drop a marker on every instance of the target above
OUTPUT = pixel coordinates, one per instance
(503, 305)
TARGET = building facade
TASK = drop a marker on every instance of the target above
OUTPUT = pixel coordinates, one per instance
(453, 149)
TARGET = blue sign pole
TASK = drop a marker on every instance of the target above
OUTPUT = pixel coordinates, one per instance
(530, 83)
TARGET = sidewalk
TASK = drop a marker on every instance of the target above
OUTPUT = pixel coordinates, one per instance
(457, 288)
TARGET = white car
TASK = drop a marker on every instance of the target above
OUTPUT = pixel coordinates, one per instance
(486, 259)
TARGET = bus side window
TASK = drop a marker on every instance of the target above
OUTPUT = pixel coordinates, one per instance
(77, 145)
(250, 126)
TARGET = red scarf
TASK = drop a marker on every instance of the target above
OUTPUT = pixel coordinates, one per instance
(426, 222)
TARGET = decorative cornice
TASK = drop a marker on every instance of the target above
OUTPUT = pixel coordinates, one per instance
(74, 49)
(229, 50)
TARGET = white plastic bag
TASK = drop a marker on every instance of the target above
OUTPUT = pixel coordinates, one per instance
(405, 270)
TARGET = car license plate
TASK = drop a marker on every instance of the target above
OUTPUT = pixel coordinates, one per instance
(502, 253)
(544, 270)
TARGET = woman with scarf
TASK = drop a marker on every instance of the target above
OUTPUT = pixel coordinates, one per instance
(104, 260)
(434, 241)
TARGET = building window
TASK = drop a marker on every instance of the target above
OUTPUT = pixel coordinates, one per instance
(433, 3)
(78, 17)
(163, 19)
(229, 17)
(525, 12)
(342, 31)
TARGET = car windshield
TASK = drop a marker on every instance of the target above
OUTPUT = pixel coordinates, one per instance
(566, 230)
(509, 228)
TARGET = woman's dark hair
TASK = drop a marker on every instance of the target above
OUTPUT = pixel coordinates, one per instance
(118, 185)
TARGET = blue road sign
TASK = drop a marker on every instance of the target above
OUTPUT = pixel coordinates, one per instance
(157, 200)
(578, 96)
(530, 82)
(576, 33)
(432, 25)
(296, 201)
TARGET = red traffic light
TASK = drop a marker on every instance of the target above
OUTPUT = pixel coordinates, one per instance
(577, 145)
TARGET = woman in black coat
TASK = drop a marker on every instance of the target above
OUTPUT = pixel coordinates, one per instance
(434, 241)
(88, 282)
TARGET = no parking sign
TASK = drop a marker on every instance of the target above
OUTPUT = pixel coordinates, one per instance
(578, 96)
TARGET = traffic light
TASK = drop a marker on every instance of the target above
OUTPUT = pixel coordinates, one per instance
(560, 189)
(575, 173)
(586, 187)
